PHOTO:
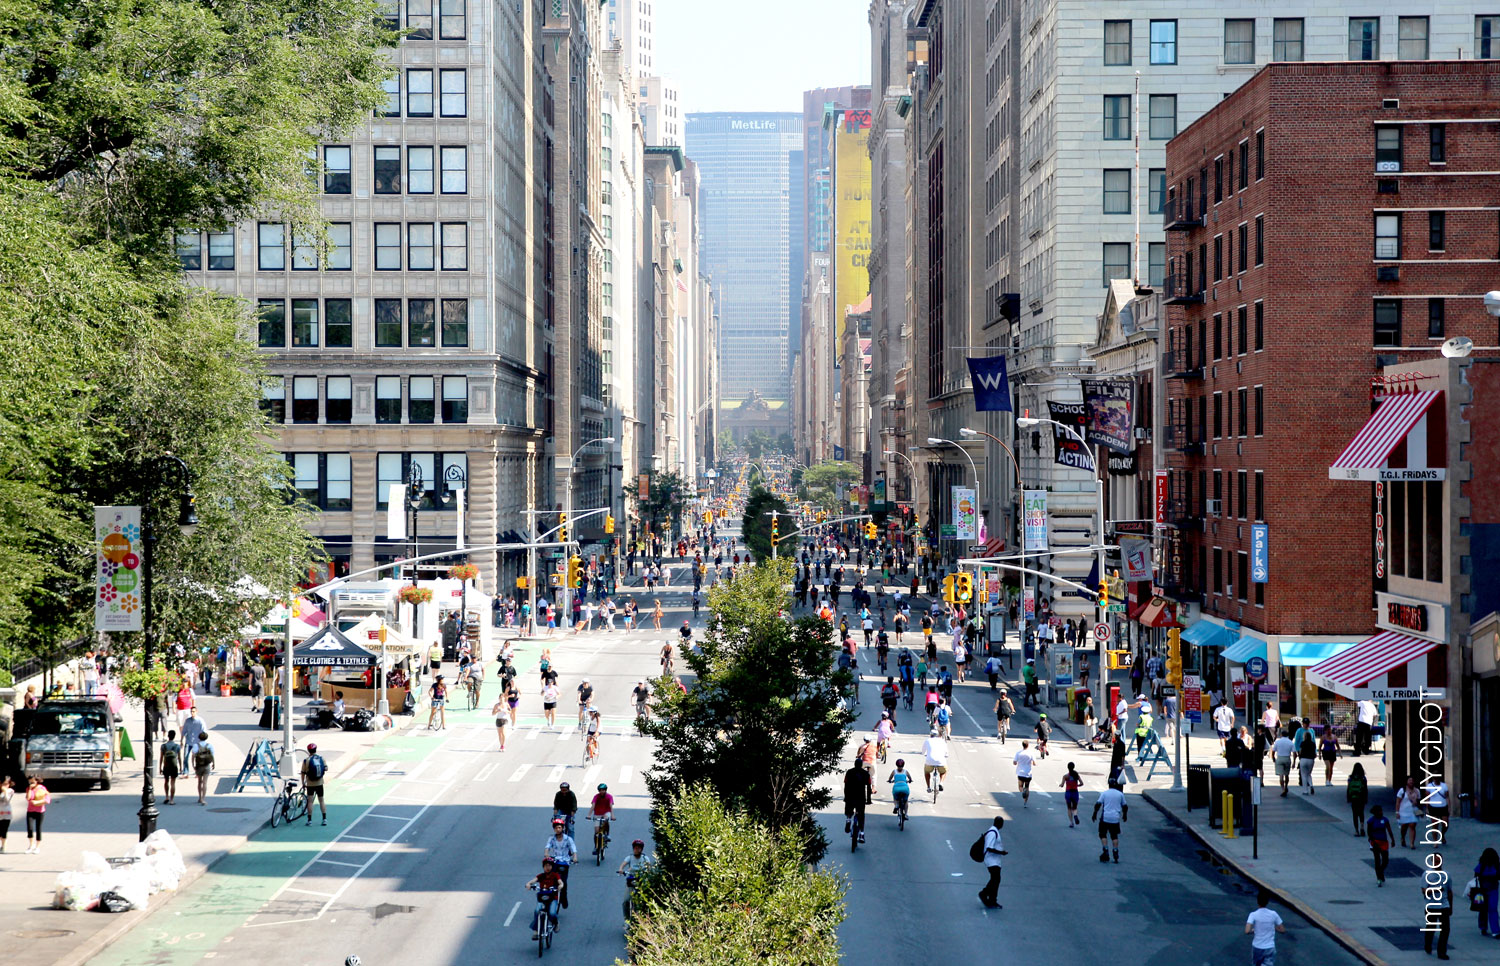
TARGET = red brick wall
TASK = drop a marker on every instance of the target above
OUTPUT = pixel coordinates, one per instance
(1483, 448)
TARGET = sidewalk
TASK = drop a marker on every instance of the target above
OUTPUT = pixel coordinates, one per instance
(105, 822)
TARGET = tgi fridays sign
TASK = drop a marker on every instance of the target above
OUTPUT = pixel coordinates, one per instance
(1410, 616)
(1379, 530)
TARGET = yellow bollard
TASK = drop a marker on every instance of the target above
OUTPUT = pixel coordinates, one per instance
(1226, 816)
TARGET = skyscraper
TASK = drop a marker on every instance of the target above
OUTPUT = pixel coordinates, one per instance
(745, 164)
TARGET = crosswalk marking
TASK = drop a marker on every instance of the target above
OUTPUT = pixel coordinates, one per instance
(520, 773)
(534, 733)
(556, 773)
(353, 770)
(591, 777)
(486, 772)
(626, 772)
(566, 733)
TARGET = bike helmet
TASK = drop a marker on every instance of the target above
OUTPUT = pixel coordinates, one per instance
(933, 733)
(564, 786)
(547, 860)
(640, 842)
(603, 787)
(558, 823)
(885, 716)
(1044, 714)
(869, 737)
(585, 680)
(311, 747)
(351, 961)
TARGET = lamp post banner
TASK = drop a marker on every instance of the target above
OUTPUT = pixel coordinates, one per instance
(1067, 451)
(1136, 553)
(965, 513)
(118, 550)
(991, 384)
(1034, 514)
(1108, 404)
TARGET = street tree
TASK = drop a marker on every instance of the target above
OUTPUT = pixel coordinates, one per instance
(762, 719)
(664, 500)
(820, 483)
(755, 526)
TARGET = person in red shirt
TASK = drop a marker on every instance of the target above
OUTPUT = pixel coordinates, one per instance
(548, 885)
(603, 809)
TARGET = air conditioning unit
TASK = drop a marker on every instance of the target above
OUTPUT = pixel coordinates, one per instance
(1143, 433)
(1214, 507)
(1388, 273)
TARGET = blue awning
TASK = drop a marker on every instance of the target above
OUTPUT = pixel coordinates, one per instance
(1244, 649)
(1306, 654)
(1206, 634)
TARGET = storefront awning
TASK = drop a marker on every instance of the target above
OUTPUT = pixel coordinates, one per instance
(1154, 612)
(1366, 455)
(1361, 671)
(1308, 653)
(1206, 634)
(1244, 649)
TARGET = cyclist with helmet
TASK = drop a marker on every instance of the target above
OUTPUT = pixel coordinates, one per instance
(884, 731)
(859, 790)
(585, 695)
(565, 805)
(603, 809)
(549, 885)
(631, 869)
(866, 754)
(900, 782)
(561, 851)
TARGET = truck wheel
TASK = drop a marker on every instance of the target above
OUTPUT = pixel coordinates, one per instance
(104, 784)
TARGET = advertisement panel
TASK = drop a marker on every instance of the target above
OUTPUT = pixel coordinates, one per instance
(1107, 403)
(1163, 487)
(851, 216)
(1028, 603)
(991, 384)
(1034, 516)
(1137, 556)
(117, 568)
(1066, 450)
(965, 513)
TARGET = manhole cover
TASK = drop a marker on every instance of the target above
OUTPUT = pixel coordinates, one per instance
(40, 933)
(223, 811)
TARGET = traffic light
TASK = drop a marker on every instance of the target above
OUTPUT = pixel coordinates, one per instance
(562, 531)
(870, 531)
(1104, 593)
(963, 587)
(575, 571)
(609, 523)
(775, 527)
(520, 583)
(984, 591)
(948, 590)
(1174, 657)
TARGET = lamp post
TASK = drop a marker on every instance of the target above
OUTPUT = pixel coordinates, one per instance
(934, 441)
(187, 522)
(416, 492)
(567, 592)
(966, 431)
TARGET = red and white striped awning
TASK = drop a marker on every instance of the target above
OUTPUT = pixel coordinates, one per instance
(993, 547)
(1361, 670)
(1363, 458)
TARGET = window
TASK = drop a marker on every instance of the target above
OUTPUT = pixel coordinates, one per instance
(455, 99)
(338, 323)
(189, 250)
(1387, 322)
(336, 170)
(1387, 236)
(1239, 41)
(387, 170)
(1388, 148)
(1242, 324)
(387, 400)
(419, 92)
(1242, 493)
(455, 170)
(1411, 38)
(1156, 190)
(340, 247)
(1435, 320)
(1260, 239)
(392, 106)
(607, 226)
(1244, 165)
(455, 323)
(419, 171)
(1364, 38)
(1242, 425)
(1117, 43)
(1117, 117)
(1219, 180)
(1116, 261)
(1436, 231)
(1156, 264)
(455, 247)
(273, 398)
(606, 125)
(419, 323)
(305, 476)
(388, 247)
(1218, 339)
(221, 251)
(1219, 258)
(305, 399)
(1117, 191)
(272, 323)
(1244, 232)
(272, 244)
(338, 481)
(419, 405)
(1286, 39)
(1163, 116)
(1260, 155)
(339, 407)
(1163, 41)
(389, 472)
(387, 323)
(419, 247)
(1487, 37)
(388, 14)
(1260, 326)
(1260, 494)
(304, 251)
(451, 24)
(419, 19)
(305, 322)
(607, 294)
(1437, 143)
(455, 399)
(1260, 424)
(1243, 575)
(606, 157)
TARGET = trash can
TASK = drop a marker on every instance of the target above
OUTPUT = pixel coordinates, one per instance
(270, 715)
(1198, 793)
(1077, 701)
(1233, 781)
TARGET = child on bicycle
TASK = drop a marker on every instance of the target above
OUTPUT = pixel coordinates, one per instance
(900, 782)
(883, 733)
(592, 735)
(548, 885)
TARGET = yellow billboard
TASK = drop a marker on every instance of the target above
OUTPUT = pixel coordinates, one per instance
(851, 216)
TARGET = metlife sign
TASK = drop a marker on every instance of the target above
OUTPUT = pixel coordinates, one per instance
(738, 125)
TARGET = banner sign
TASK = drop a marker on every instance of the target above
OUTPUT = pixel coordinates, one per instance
(1067, 451)
(965, 513)
(877, 498)
(838, 451)
(1260, 553)
(1121, 464)
(117, 568)
(1163, 484)
(643, 486)
(1107, 402)
(1137, 556)
(1034, 517)
(991, 384)
(1028, 604)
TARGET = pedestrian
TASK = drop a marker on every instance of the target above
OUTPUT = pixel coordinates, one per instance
(1378, 833)
(1043, 732)
(1435, 801)
(257, 685)
(1407, 798)
(1262, 925)
(656, 614)
(438, 695)
(994, 852)
(1111, 811)
(1328, 750)
(1307, 755)
(193, 730)
(435, 657)
(184, 707)
(1071, 784)
(549, 702)
(1357, 794)
(1169, 715)
(7, 805)
(1281, 751)
(1023, 761)
(1223, 722)
(203, 765)
(1364, 726)
(314, 771)
(171, 766)
(1440, 910)
(37, 800)
(1028, 677)
(502, 718)
(1004, 710)
(1484, 893)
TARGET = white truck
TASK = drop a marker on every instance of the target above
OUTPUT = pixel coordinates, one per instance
(68, 738)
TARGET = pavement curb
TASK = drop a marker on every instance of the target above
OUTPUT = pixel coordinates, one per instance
(1338, 935)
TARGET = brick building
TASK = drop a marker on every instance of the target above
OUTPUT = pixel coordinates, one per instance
(1325, 221)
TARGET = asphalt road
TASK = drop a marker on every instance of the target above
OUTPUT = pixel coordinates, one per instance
(433, 837)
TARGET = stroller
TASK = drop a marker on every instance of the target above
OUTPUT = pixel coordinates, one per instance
(1104, 734)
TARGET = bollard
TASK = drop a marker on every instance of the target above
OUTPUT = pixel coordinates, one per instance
(1227, 819)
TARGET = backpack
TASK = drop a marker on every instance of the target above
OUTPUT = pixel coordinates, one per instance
(171, 756)
(203, 758)
(888, 691)
(976, 851)
(316, 767)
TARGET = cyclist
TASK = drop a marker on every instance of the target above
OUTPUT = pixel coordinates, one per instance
(591, 736)
(603, 809)
(945, 682)
(561, 849)
(944, 720)
(883, 733)
(890, 693)
(931, 702)
(859, 791)
(1004, 709)
(882, 647)
(935, 759)
(666, 658)
(900, 782)
(548, 884)
(641, 695)
(476, 679)
(992, 671)
(631, 869)
(565, 805)
(585, 695)
(867, 624)
(908, 674)
(697, 602)
(927, 638)
(900, 621)
(866, 753)
(686, 631)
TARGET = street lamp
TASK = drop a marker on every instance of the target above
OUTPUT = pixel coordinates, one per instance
(187, 522)
(934, 441)
(567, 593)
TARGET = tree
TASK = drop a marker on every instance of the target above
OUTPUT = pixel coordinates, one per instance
(820, 483)
(666, 497)
(762, 722)
(755, 526)
(727, 889)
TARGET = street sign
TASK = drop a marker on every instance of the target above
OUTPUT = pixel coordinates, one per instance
(947, 531)
(1117, 607)
(1101, 632)
(1192, 697)
(1256, 669)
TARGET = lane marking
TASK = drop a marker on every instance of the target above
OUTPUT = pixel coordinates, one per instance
(556, 773)
(534, 733)
(566, 733)
(626, 772)
(356, 838)
(591, 776)
(397, 818)
(352, 865)
(513, 910)
(310, 892)
(486, 772)
(353, 770)
(421, 767)
(520, 773)
(447, 775)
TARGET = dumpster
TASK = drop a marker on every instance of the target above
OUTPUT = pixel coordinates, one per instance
(1078, 699)
(1233, 781)
(1198, 786)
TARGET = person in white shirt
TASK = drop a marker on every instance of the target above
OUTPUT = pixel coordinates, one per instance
(1281, 751)
(1262, 925)
(1122, 713)
(1365, 721)
(1223, 722)
(935, 755)
(994, 851)
(1270, 719)
(1023, 760)
(1110, 810)
(1435, 800)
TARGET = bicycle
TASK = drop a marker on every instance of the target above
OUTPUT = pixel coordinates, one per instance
(590, 747)
(937, 784)
(544, 925)
(882, 750)
(601, 837)
(856, 826)
(901, 806)
(290, 804)
(630, 878)
(472, 687)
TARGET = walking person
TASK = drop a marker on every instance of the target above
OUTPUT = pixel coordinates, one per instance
(1223, 722)
(1364, 726)
(1111, 811)
(37, 800)
(994, 852)
(1328, 750)
(1307, 754)
(1442, 909)
(1071, 784)
(502, 718)
(1262, 925)
(1378, 833)
(1407, 798)
(549, 702)
(1484, 893)
(1281, 751)
(171, 759)
(1023, 761)
(1357, 794)
(314, 771)
(1435, 800)
(7, 808)
(257, 685)
(203, 765)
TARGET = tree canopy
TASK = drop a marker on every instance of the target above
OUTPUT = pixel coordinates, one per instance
(819, 484)
(666, 498)
(755, 525)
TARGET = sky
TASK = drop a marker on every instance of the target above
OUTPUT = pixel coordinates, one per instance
(760, 55)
